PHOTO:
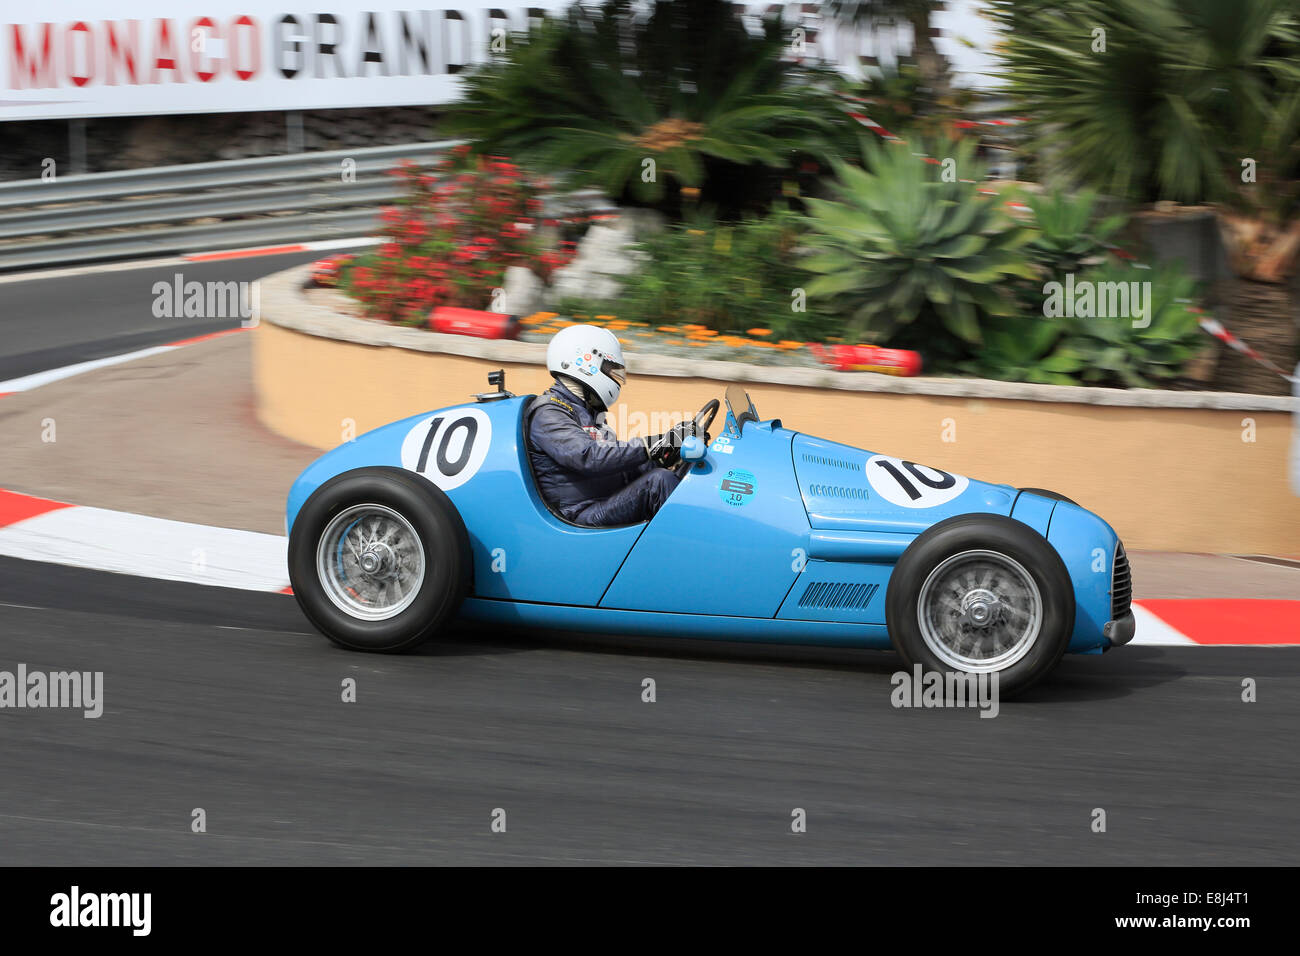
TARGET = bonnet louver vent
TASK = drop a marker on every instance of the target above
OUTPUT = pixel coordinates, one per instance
(832, 462)
(838, 491)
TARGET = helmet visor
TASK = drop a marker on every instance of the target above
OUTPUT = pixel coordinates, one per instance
(615, 371)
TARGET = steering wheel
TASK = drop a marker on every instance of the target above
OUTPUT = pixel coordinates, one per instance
(665, 449)
(710, 410)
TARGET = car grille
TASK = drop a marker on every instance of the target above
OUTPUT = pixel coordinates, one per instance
(1121, 585)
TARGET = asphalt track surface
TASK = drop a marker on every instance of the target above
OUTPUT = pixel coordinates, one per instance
(229, 702)
(51, 320)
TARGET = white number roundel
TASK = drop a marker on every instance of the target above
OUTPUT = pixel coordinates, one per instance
(910, 485)
(448, 447)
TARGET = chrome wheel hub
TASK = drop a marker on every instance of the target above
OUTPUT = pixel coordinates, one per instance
(980, 608)
(377, 560)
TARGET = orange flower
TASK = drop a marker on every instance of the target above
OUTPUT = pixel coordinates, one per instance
(693, 328)
(703, 334)
(760, 332)
(668, 328)
(787, 344)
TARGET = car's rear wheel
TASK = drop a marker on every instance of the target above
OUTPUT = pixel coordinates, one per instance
(981, 594)
(379, 559)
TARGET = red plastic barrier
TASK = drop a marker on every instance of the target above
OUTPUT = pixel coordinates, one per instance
(868, 358)
(480, 325)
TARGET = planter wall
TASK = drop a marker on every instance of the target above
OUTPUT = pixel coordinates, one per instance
(1169, 470)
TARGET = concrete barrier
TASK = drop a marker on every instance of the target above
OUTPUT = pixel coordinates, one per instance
(1177, 471)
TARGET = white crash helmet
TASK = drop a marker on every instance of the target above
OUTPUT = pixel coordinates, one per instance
(590, 356)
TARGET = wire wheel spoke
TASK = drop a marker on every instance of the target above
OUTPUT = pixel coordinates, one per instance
(980, 611)
(370, 562)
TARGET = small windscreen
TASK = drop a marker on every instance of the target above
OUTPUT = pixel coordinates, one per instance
(740, 406)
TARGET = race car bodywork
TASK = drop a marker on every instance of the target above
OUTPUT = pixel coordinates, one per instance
(772, 535)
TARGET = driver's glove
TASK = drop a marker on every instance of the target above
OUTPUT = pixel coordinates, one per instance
(666, 450)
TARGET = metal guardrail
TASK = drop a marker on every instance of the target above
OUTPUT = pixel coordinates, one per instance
(168, 210)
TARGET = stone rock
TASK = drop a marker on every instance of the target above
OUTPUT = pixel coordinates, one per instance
(523, 293)
(604, 253)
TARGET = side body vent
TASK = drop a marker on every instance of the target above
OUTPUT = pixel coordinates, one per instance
(850, 592)
(828, 594)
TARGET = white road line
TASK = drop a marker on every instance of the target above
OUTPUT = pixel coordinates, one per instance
(37, 275)
(324, 244)
(38, 379)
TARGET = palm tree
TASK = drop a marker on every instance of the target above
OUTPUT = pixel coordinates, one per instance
(1192, 101)
(642, 106)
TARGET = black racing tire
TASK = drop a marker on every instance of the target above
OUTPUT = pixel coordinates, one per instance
(947, 549)
(442, 541)
(1044, 493)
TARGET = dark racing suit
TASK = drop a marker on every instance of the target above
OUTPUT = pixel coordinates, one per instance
(583, 471)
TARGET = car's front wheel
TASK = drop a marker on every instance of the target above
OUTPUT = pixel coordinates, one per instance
(981, 594)
(379, 559)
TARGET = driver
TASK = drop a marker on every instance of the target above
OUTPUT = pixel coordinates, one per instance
(583, 471)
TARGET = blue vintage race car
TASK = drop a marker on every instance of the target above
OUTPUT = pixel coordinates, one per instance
(772, 535)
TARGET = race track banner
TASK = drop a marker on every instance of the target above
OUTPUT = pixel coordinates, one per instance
(83, 58)
(70, 59)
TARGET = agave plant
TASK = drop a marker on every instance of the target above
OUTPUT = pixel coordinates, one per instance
(910, 243)
(640, 106)
(1130, 351)
(1141, 352)
(1021, 348)
(1069, 231)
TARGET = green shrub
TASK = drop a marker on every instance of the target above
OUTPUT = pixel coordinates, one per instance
(726, 277)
